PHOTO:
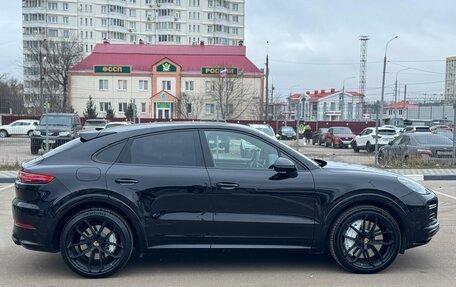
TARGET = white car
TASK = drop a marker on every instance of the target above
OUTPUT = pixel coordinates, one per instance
(19, 127)
(366, 139)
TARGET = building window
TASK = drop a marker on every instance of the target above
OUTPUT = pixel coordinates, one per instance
(143, 85)
(189, 108)
(235, 19)
(210, 108)
(52, 5)
(189, 85)
(65, 19)
(122, 85)
(53, 33)
(235, 6)
(143, 107)
(122, 107)
(103, 85)
(166, 85)
(104, 106)
(52, 19)
(65, 6)
(104, 9)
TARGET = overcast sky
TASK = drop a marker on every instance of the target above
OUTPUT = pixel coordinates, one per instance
(314, 44)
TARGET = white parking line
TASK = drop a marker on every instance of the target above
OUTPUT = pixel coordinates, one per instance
(444, 194)
(6, 187)
(418, 177)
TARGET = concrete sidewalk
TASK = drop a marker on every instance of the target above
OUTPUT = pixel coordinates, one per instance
(417, 174)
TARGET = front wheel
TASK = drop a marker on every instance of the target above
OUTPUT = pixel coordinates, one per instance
(96, 243)
(355, 147)
(365, 239)
(3, 134)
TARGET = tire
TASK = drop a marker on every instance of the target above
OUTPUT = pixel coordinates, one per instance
(355, 147)
(3, 134)
(352, 234)
(30, 133)
(333, 145)
(368, 147)
(93, 236)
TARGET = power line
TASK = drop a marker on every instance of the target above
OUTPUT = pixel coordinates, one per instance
(417, 69)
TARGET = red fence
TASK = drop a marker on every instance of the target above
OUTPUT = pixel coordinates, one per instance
(356, 127)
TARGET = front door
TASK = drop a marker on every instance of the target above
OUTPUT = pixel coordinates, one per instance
(164, 174)
(163, 110)
(252, 203)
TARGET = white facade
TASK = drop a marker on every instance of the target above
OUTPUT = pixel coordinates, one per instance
(450, 80)
(216, 22)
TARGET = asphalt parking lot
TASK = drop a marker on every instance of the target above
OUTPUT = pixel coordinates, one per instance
(430, 265)
(17, 149)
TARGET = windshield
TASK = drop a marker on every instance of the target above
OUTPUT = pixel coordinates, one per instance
(63, 121)
(287, 129)
(94, 123)
(422, 129)
(433, 140)
(266, 130)
(386, 132)
(323, 130)
(342, 131)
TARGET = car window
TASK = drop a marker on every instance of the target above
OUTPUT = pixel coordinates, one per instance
(239, 151)
(397, 140)
(404, 140)
(163, 149)
(111, 153)
(433, 140)
(15, 124)
(387, 132)
(368, 132)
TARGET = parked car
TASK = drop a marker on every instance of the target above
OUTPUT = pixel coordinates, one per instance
(440, 127)
(397, 129)
(320, 136)
(62, 128)
(417, 129)
(287, 132)
(446, 133)
(339, 137)
(366, 139)
(94, 124)
(266, 129)
(416, 145)
(162, 186)
(19, 127)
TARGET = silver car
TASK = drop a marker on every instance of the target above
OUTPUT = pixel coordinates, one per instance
(417, 145)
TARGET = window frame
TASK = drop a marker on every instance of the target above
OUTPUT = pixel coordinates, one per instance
(209, 163)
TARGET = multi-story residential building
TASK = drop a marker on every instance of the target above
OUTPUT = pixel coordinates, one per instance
(169, 82)
(214, 22)
(450, 80)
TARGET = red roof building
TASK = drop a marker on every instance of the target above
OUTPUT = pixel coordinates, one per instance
(159, 77)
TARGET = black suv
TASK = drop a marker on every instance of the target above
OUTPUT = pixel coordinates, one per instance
(61, 128)
(177, 185)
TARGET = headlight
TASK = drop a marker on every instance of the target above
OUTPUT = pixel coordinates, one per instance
(64, 134)
(37, 133)
(413, 185)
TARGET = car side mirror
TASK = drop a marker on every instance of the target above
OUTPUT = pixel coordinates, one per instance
(277, 136)
(284, 165)
(390, 143)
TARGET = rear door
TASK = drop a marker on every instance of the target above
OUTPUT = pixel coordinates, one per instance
(252, 203)
(164, 175)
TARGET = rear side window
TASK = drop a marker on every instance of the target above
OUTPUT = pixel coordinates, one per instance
(111, 153)
(164, 149)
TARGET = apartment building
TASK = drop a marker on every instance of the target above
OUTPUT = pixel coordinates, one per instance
(450, 80)
(189, 22)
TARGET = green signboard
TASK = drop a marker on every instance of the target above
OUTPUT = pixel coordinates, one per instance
(218, 71)
(112, 69)
(166, 67)
(163, 105)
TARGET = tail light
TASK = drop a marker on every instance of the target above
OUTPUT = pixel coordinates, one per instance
(424, 151)
(28, 177)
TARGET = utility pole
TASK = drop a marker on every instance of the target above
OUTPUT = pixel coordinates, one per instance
(382, 100)
(266, 110)
(272, 101)
(46, 104)
(376, 131)
(405, 98)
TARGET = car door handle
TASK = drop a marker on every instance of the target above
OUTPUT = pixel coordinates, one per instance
(227, 185)
(126, 181)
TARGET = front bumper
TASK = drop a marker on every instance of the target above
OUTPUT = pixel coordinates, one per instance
(40, 141)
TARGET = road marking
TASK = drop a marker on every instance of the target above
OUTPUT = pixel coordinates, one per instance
(6, 187)
(444, 194)
(418, 177)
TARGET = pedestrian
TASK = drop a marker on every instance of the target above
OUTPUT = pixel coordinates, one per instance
(307, 133)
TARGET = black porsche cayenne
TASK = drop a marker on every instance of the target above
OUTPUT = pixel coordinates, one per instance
(210, 185)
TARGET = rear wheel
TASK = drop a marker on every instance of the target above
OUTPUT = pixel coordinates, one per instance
(96, 243)
(30, 134)
(365, 239)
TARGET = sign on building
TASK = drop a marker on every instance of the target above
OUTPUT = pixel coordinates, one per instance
(218, 70)
(112, 69)
(166, 67)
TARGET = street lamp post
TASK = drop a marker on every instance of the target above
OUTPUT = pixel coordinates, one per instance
(342, 109)
(383, 81)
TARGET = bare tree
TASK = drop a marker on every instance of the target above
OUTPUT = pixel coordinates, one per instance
(11, 95)
(232, 95)
(61, 55)
(190, 105)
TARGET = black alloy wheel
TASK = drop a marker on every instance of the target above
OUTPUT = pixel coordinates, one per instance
(96, 243)
(355, 147)
(365, 239)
